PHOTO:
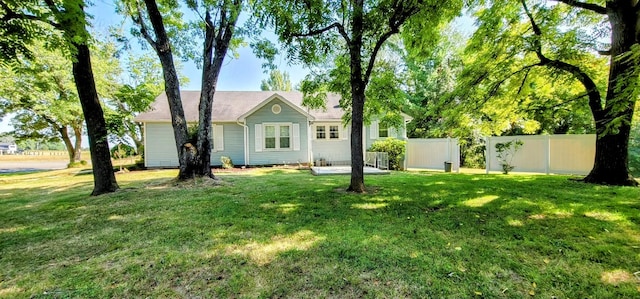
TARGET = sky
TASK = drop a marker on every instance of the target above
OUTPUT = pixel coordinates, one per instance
(242, 74)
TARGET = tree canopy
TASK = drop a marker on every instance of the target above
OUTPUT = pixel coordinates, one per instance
(351, 35)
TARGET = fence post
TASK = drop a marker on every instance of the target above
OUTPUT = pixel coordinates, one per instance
(548, 155)
(487, 159)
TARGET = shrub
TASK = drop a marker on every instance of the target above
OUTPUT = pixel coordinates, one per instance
(395, 148)
(506, 151)
(77, 164)
(226, 162)
(122, 150)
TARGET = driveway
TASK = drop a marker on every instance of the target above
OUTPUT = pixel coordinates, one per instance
(22, 166)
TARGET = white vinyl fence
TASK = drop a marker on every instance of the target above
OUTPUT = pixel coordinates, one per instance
(563, 154)
(433, 153)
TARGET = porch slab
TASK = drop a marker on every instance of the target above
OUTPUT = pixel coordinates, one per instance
(336, 170)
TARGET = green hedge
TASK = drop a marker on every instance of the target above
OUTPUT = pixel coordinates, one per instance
(395, 148)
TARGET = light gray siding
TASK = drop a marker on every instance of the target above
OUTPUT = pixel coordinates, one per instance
(336, 150)
(393, 132)
(286, 115)
(160, 149)
(233, 145)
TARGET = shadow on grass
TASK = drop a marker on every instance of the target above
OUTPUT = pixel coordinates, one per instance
(288, 234)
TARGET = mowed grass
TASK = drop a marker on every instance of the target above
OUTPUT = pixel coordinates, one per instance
(271, 233)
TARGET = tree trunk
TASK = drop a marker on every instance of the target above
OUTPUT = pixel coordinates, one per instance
(357, 158)
(162, 47)
(138, 139)
(77, 149)
(214, 51)
(357, 100)
(64, 134)
(104, 180)
(208, 89)
(611, 162)
(614, 125)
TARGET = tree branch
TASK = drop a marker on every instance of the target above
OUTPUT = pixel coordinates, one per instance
(12, 15)
(595, 100)
(588, 6)
(400, 16)
(325, 29)
(143, 28)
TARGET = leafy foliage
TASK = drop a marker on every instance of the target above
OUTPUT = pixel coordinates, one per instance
(395, 148)
(41, 95)
(277, 81)
(506, 151)
(226, 162)
(346, 40)
(634, 145)
(122, 150)
(509, 90)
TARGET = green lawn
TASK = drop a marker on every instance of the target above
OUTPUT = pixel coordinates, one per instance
(284, 233)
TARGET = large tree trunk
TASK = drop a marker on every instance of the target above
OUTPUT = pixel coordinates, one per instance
(614, 125)
(104, 180)
(215, 49)
(186, 154)
(357, 100)
(208, 89)
(357, 158)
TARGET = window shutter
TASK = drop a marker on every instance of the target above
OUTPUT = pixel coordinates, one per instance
(258, 137)
(344, 131)
(393, 132)
(314, 133)
(218, 136)
(373, 130)
(296, 137)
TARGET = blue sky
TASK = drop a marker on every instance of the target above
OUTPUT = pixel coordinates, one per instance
(243, 74)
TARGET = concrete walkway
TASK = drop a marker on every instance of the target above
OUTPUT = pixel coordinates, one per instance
(334, 170)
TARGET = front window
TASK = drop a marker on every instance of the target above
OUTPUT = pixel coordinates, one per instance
(285, 137)
(334, 132)
(383, 131)
(321, 132)
(277, 136)
(327, 131)
(270, 137)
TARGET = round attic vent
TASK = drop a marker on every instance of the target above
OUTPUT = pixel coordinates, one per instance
(276, 109)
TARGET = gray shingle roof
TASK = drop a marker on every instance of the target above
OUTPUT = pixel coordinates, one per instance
(228, 106)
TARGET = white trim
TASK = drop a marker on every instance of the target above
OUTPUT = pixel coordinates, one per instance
(327, 131)
(374, 130)
(144, 139)
(295, 135)
(218, 137)
(271, 98)
(277, 136)
(258, 137)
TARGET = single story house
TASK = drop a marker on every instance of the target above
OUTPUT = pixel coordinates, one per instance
(8, 148)
(259, 128)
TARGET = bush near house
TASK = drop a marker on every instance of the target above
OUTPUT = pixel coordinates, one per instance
(395, 148)
(122, 150)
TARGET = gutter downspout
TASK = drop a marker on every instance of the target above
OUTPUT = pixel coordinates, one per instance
(245, 142)
(309, 144)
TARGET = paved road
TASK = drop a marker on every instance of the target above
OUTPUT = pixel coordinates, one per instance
(22, 166)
